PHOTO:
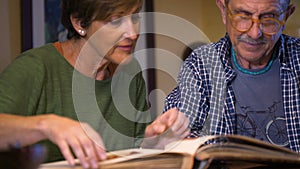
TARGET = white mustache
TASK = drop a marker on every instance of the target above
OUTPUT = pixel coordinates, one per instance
(249, 40)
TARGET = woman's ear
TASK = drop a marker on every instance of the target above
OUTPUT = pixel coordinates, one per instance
(221, 5)
(77, 26)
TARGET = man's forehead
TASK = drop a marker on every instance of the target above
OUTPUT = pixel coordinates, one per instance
(259, 1)
(254, 4)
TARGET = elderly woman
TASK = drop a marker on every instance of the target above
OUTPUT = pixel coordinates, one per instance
(70, 95)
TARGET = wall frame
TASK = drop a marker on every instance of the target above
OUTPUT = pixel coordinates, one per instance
(26, 24)
(41, 23)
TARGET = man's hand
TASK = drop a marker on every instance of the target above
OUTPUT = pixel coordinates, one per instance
(168, 127)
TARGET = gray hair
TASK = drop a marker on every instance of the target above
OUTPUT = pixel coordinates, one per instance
(285, 4)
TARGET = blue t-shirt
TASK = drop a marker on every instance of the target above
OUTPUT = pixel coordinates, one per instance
(259, 107)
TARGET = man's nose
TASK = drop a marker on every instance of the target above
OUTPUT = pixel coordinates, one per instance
(255, 31)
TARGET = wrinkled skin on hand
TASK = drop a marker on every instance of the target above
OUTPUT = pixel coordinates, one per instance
(168, 127)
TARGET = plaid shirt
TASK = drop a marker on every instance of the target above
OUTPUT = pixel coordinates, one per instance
(205, 94)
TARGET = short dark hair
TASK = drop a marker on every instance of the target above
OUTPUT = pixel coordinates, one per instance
(89, 10)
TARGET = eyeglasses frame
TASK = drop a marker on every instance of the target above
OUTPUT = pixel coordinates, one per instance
(254, 20)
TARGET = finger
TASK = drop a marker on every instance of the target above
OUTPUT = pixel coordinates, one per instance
(79, 152)
(184, 130)
(99, 147)
(148, 131)
(89, 151)
(155, 129)
(65, 150)
(186, 133)
(180, 127)
(179, 122)
(162, 123)
(100, 151)
(169, 117)
(97, 143)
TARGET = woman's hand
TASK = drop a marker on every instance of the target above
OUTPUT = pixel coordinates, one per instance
(168, 127)
(69, 135)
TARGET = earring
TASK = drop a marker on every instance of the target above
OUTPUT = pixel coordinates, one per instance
(81, 32)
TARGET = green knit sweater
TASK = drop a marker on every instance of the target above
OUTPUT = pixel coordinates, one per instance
(41, 81)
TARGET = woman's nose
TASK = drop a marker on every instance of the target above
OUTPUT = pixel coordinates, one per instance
(131, 29)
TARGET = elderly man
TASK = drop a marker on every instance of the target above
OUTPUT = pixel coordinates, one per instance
(248, 82)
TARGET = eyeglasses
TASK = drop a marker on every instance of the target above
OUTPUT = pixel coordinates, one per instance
(243, 23)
